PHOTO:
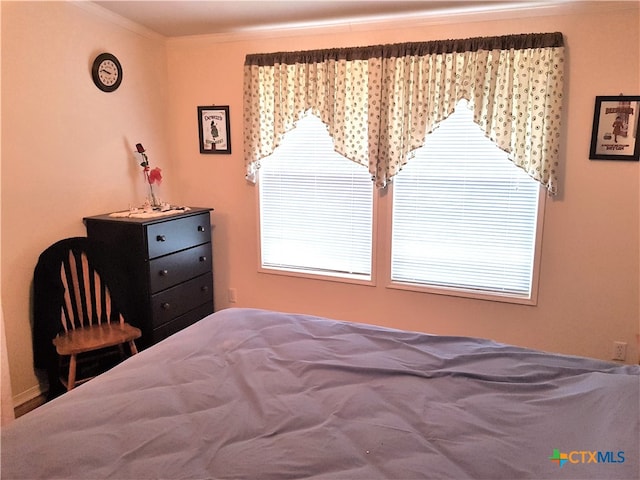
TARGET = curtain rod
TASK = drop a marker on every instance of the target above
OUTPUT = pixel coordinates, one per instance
(505, 42)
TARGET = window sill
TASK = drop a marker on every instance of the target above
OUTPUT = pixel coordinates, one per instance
(467, 293)
(337, 277)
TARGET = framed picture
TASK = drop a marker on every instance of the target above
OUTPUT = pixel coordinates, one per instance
(615, 128)
(213, 124)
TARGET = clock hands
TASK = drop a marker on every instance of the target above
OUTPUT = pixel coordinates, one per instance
(106, 71)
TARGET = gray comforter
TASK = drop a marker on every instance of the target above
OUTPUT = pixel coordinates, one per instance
(251, 394)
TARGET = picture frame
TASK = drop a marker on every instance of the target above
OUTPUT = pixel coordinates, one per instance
(214, 129)
(616, 122)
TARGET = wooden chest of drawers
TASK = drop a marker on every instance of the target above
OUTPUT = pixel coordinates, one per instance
(163, 266)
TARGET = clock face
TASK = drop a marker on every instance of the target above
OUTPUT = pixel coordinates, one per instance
(107, 72)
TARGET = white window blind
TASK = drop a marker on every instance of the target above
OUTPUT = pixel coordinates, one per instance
(464, 216)
(316, 207)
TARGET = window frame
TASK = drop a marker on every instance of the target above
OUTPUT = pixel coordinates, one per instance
(532, 299)
(341, 277)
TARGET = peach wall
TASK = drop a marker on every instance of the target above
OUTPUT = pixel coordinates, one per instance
(66, 154)
(6, 393)
(67, 146)
(589, 279)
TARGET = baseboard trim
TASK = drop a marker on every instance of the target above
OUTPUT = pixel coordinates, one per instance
(28, 400)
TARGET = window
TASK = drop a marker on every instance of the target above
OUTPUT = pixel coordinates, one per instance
(316, 207)
(464, 216)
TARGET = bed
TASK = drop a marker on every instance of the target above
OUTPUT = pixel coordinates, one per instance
(248, 394)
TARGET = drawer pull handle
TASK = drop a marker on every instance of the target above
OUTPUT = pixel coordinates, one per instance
(166, 306)
(200, 228)
(161, 238)
(164, 273)
(204, 288)
(203, 258)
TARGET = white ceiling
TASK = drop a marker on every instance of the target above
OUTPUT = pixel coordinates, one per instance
(188, 17)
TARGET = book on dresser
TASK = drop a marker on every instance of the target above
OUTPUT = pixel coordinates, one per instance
(164, 267)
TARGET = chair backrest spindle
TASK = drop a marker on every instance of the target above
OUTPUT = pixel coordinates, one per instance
(107, 304)
(67, 306)
(88, 291)
(75, 291)
(97, 289)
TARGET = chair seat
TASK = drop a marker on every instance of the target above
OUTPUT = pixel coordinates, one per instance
(97, 336)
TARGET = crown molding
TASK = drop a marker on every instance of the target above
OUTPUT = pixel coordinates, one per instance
(118, 20)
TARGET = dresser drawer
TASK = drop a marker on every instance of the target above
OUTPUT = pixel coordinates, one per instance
(183, 321)
(167, 271)
(178, 300)
(178, 234)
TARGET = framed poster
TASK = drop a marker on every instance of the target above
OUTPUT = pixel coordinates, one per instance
(213, 125)
(615, 128)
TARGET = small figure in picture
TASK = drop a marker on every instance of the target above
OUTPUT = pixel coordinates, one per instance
(617, 128)
(214, 134)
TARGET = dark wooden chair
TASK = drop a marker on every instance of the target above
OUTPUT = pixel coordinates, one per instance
(74, 311)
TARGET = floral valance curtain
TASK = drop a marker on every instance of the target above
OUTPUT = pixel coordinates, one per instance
(380, 102)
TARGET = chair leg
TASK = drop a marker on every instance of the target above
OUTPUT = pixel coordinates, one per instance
(72, 373)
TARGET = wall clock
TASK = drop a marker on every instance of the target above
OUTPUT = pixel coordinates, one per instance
(106, 72)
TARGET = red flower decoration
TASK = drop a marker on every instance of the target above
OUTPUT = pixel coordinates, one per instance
(150, 175)
(155, 175)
